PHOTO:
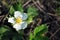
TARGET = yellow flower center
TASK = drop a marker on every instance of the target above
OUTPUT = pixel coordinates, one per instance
(18, 20)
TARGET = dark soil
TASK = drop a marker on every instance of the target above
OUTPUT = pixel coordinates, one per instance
(47, 15)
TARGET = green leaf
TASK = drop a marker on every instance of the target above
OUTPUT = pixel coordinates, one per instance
(42, 32)
(32, 11)
(39, 29)
(29, 20)
(11, 11)
(11, 35)
(58, 11)
(31, 36)
(18, 7)
(3, 29)
(38, 33)
(17, 37)
(41, 38)
(0, 36)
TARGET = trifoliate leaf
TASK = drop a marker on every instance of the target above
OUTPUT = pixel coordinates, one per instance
(39, 29)
(44, 31)
(32, 11)
(39, 33)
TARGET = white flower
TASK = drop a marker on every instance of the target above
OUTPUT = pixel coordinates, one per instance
(18, 20)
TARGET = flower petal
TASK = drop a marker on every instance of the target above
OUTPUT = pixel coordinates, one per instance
(17, 14)
(24, 25)
(17, 27)
(11, 20)
(24, 16)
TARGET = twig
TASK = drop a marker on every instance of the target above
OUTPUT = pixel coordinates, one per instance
(1, 17)
(54, 33)
(26, 3)
(38, 6)
(56, 2)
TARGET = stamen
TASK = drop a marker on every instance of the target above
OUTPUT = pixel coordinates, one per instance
(18, 20)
